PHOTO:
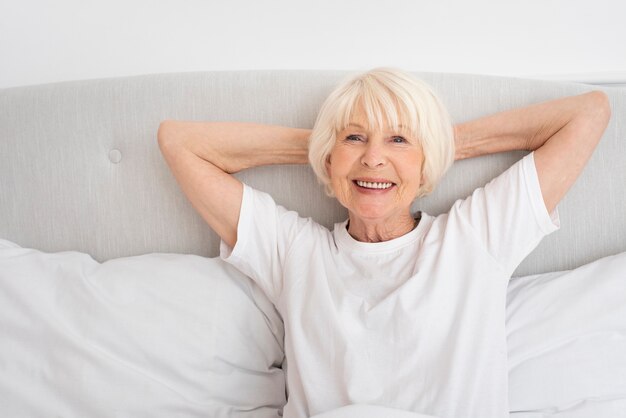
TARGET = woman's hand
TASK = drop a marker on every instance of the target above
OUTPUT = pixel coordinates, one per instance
(562, 132)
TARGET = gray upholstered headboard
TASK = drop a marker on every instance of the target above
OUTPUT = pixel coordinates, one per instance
(80, 167)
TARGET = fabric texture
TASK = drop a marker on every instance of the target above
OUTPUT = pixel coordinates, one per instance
(86, 151)
(415, 323)
(158, 335)
(566, 334)
(369, 411)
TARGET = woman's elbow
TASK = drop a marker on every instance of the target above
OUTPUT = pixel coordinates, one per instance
(600, 106)
(167, 134)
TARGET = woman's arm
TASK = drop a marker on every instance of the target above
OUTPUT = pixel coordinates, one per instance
(562, 132)
(202, 156)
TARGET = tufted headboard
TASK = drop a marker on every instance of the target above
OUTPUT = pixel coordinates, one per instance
(80, 167)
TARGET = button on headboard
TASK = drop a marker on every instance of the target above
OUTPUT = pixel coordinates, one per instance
(80, 167)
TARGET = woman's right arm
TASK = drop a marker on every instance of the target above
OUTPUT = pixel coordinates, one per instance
(203, 155)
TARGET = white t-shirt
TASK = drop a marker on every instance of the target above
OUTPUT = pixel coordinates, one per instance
(415, 323)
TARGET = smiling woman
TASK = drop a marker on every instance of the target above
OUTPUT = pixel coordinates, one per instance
(389, 308)
(376, 175)
(383, 100)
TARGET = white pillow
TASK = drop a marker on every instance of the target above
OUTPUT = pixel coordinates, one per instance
(567, 342)
(158, 335)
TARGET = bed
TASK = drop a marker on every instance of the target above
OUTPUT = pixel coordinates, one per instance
(113, 301)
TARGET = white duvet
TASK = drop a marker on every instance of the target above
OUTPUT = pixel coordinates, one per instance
(170, 335)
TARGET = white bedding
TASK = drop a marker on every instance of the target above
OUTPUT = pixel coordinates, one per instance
(567, 341)
(369, 411)
(159, 335)
(185, 336)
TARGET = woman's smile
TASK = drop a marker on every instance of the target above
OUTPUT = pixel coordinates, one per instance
(368, 185)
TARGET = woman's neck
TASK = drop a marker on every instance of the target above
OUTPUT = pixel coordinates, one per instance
(377, 231)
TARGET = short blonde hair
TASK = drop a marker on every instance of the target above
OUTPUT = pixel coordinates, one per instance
(399, 98)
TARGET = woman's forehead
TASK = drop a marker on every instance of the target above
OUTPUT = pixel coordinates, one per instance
(380, 119)
(373, 124)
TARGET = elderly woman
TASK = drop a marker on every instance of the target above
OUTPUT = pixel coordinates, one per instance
(390, 308)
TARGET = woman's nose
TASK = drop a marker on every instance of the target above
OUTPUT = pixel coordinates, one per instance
(373, 155)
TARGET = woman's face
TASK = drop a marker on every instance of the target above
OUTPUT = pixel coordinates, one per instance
(375, 175)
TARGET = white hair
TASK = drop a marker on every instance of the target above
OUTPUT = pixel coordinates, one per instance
(400, 99)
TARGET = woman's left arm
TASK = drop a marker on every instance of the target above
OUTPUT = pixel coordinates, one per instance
(562, 132)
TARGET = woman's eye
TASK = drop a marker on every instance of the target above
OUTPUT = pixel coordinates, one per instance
(353, 138)
(399, 140)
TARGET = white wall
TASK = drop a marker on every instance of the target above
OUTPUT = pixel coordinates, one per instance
(45, 41)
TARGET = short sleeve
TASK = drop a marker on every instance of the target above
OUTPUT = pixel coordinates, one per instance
(508, 215)
(265, 232)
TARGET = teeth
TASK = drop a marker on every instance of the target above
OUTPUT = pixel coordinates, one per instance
(373, 185)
